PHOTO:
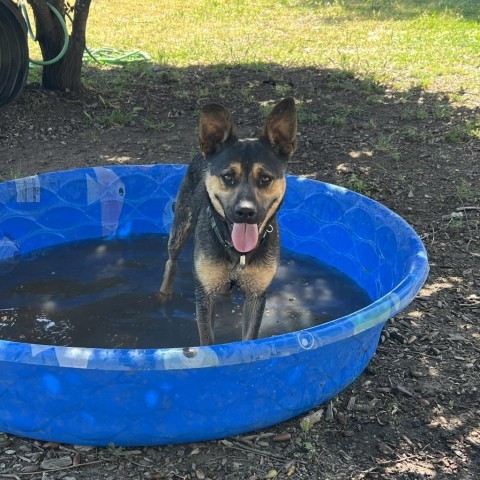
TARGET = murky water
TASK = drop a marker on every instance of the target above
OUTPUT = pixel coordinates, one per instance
(103, 294)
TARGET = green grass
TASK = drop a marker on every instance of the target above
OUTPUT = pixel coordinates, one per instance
(364, 187)
(430, 44)
(112, 118)
(13, 174)
(340, 113)
(463, 132)
(466, 192)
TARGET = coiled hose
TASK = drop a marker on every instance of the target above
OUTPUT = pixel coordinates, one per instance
(14, 62)
(13, 52)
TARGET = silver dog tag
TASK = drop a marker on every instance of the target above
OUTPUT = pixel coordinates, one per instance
(242, 261)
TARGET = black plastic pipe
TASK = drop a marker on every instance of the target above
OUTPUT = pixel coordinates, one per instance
(13, 52)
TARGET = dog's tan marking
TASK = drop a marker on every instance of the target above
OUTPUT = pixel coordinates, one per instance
(213, 274)
(258, 170)
(256, 278)
(272, 196)
(217, 190)
(236, 168)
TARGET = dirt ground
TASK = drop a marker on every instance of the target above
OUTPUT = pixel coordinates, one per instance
(415, 412)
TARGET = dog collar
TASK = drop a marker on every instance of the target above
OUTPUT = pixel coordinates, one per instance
(226, 243)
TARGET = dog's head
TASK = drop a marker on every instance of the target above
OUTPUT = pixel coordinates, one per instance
(246, 178)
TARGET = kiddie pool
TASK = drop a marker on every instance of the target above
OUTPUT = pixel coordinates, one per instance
(160, 396)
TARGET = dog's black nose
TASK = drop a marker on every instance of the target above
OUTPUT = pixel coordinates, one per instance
(245, 212)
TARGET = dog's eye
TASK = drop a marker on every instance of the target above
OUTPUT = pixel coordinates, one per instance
(228, 178)
(265, 180)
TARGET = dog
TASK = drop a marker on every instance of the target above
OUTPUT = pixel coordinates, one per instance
(229, 199)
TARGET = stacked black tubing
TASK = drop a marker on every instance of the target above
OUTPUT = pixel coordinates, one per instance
(13, 52)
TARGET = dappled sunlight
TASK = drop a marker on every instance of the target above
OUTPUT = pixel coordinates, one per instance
(416, 467)
(431, 288)
(415, 314)
(360, 153)
(117, 159)
(427, 462)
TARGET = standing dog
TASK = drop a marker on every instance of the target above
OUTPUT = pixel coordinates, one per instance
(229, 198)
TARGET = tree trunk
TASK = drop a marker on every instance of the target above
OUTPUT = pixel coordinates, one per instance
(66, 73)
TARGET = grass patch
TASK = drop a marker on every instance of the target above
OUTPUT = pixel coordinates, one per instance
(283, 90)
(431, 44)
(13, 174)
(367, 188)
(457, 134)
(307, 117)
(159, 126)
(470, 130)
(341, 113)
(466, 192)
(473, 128)
(337, 121)
(385, 143)
(442, 112)
(114, 118)
(414, 134)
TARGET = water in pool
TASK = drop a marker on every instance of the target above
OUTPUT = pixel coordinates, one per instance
(103, 294)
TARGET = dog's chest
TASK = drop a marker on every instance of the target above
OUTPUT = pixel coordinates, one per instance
(216, 274)
(253, 278)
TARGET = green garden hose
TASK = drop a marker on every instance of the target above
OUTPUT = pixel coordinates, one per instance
(66, 38)
(107, 56)
(112, 56)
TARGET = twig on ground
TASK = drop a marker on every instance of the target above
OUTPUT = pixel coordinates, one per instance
(467, 207)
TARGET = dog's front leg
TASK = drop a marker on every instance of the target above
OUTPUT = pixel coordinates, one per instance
(211, 276)
(253, 309)
(205, 308)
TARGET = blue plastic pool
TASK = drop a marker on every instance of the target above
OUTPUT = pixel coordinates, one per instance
(160, 396)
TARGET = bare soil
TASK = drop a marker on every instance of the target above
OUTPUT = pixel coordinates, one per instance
(415, 412)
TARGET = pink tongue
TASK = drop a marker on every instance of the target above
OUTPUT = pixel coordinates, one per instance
(244, 236)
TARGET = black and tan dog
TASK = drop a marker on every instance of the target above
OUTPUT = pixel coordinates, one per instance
(228, 199)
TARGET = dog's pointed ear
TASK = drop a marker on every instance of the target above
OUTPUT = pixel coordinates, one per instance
(281, 127)
(216, 127)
